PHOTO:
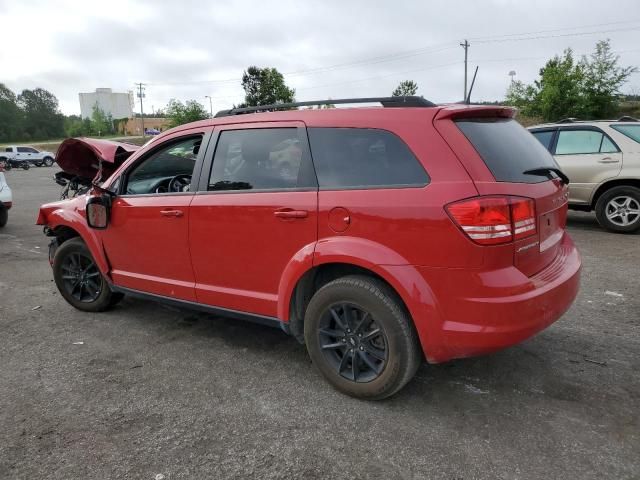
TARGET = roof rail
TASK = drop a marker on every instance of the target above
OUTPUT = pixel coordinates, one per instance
(628, 118)
(412, 101)
(567, 120)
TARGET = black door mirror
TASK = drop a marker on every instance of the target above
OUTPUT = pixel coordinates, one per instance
(97, 210)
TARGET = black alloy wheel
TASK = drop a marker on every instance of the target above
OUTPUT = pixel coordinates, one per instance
(352, 342)
(81, 277)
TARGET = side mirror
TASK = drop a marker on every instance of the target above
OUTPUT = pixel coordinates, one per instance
(97, 210)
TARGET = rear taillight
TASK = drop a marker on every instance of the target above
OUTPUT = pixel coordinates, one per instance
(495, 220)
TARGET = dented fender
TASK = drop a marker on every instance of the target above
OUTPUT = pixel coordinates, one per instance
(71, 214)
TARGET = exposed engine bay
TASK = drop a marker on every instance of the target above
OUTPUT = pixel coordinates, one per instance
(87, 160)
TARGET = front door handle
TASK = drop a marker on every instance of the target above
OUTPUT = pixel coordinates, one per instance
(608, 160)
(289, 213)
(171, 213)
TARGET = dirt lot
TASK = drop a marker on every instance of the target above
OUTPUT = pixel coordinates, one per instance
(153, 391)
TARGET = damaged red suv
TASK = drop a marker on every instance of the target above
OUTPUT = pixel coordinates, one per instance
(376, 236)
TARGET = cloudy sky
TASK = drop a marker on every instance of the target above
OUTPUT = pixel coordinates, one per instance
(187, 49)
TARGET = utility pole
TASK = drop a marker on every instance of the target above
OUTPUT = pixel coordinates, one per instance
(141, 96)
(210, 105)
(465, 45)
(512, 74)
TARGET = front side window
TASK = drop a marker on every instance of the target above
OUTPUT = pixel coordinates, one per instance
(362, 158)
(24, 150)
(167, 170)
(577, 142)
(261, 159)
(631, 131)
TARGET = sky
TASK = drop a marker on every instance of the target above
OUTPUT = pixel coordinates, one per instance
(187, 49)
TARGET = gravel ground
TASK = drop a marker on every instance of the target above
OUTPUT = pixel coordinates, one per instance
(156, 392)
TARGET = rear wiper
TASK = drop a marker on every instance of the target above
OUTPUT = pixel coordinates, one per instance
(546, 171)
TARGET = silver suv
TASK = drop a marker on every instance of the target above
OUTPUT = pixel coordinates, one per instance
(602, 160)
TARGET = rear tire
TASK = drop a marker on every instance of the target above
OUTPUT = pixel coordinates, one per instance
(25, 166)
(78, 279)
(618, 209)
(360, 319)
(4, 217)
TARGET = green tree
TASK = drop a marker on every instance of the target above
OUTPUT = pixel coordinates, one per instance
(42, 119)
(265, 86)
(556, 94)
(588, 88)
(602, 81)
(11, 117)
(406, 88)
(101, 123)
(73, 126)
(180, 113)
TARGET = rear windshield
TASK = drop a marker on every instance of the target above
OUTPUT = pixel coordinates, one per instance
(507, 148)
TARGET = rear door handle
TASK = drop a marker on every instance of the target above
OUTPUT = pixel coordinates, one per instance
(608, 160)
(289, 213)
(171, 213)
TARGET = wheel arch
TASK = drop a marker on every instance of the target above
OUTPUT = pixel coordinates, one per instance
(66, 228)
(409, 287)
(618, 182)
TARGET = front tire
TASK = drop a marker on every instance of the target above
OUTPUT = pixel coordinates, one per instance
(47, 161)
(618, 209)
(78, 278)
(4, 217)
(25, 166)
(360, 337)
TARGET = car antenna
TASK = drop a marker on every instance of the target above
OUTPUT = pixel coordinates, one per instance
(468, 99)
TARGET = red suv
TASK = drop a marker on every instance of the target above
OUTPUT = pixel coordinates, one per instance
(376, 236)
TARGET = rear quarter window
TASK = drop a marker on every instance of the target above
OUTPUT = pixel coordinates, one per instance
(351, 158)
(544, 137)
(507, 148)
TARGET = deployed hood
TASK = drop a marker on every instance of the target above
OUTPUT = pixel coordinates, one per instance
(81, 157)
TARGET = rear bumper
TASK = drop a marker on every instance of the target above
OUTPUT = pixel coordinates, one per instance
(482, 312)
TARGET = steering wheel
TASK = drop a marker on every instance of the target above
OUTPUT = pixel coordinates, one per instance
(179, 183)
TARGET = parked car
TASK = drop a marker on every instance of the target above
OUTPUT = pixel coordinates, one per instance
(602, 160)
(19, 156)
(406, 232)
(151, 131)
(6, 199)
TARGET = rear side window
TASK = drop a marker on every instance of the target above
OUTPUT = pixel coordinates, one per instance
(631, 131)
(507, 148)
(351, 158)
(544, 138)
(577, 142)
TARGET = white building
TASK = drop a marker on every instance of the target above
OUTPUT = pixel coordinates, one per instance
(119, 105)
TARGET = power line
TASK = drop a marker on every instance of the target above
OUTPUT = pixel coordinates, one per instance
(553, 30)
(574, 34)
(512, 37)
